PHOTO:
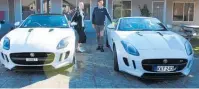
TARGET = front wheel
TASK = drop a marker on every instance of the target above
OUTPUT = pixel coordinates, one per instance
(74, 60)
(107, 44)
(116, 66)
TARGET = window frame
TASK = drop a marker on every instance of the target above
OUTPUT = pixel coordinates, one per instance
(121, 8)
(184, 2)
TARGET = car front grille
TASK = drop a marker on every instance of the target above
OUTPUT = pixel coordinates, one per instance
(148, 64)
(43, 58)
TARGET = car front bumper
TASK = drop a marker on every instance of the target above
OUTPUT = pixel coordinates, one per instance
(134, 64)
(55, 58)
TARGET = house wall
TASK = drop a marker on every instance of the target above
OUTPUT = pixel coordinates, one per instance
(4, 7)
(56, 6)
(169, 18)
(197, 12)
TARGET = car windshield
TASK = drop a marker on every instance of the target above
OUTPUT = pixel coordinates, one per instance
(45, 21)
(141, 24)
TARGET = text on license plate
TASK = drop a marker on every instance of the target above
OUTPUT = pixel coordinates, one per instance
(31, 59)
(165, 68)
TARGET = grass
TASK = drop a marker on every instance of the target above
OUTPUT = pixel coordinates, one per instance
(195, 44)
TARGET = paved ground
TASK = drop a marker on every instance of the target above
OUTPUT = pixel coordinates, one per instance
(94, 69)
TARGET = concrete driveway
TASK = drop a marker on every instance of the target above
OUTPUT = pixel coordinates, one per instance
(93, 70)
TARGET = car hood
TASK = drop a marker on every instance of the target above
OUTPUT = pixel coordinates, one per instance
(40, 37)
(153, 40)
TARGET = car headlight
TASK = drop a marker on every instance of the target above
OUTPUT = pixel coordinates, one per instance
(130, 48)
(188, 48)
(63, 43)
(6, 43)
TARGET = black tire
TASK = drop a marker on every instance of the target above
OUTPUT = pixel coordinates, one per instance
(116, 66)
(74, 60)
(107, 45)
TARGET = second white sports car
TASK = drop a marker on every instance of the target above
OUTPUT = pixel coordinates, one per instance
(142, 46)
(41, 40)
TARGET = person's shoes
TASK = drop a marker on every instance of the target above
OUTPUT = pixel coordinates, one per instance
(102, 49)
(81, 49)
(98, 48)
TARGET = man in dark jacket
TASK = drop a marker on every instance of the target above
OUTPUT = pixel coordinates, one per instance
(98, 19)
(5, 27)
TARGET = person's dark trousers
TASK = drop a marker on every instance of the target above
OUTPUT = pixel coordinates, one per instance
(81, 35)
(100, 36)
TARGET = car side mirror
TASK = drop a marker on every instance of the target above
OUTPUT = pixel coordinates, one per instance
(111, 26)
(17, 24)
(2, 22)
(169, 26)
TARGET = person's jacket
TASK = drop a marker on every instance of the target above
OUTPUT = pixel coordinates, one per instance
(78, 19)
(99, 15)
(5, 28)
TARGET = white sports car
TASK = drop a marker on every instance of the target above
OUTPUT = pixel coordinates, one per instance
(142, 46)
(40, 40)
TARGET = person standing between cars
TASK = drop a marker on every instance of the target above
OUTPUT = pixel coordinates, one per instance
(98, 19)
(78, 21)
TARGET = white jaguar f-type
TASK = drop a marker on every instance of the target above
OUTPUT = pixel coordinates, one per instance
(144, 47)
(40, 40)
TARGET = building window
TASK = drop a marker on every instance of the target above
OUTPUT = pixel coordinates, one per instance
(46, 6)
(183, 11)
(121, 9)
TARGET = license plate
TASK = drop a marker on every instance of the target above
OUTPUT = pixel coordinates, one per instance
(31, 59)
(164, 68)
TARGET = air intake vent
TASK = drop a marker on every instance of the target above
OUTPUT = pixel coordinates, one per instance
(66, 55)
(30, 30)
(2, 56)
(60, 57)
(51, 30)
(126, 61)
(134, 64)
(6, 58)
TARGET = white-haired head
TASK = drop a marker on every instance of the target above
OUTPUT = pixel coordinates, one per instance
(81, 5)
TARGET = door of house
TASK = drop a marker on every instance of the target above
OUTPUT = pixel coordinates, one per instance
(158, 7)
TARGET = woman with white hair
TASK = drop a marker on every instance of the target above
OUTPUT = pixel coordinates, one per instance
(78, 20)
